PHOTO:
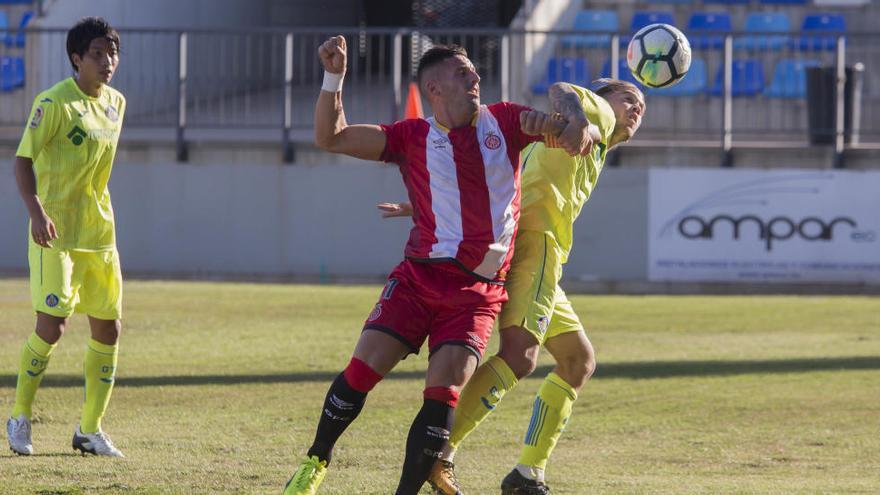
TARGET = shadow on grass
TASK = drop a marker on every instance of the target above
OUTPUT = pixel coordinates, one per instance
(634, 370)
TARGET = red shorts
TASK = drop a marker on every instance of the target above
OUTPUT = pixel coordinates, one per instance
(437, 301)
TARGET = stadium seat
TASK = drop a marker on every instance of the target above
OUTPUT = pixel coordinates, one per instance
(5, 36)
(568, 69)
(728, 2)
(595, 21)
(790, 79)
(623, 72)
(641, 19)
(748, 78)
(17, 72)
(702, 23)
(763, 24)
(18, 39)
(7, 79)
(680, 2)
(784, 2)
(693, 83)
(841, 3)
(823, 23)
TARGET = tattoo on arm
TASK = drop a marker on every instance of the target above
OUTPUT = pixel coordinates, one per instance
(565, 102)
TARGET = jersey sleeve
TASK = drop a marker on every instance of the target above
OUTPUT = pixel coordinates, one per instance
(598, 111)
(45, 118)
(400, 138)
(507, 114)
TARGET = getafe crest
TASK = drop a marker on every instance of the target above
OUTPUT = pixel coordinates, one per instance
(111, 113)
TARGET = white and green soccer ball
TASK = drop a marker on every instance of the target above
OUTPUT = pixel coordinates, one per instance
(659, 55)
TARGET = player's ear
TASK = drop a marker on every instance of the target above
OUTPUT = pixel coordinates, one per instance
(431, 87)
(76, 59)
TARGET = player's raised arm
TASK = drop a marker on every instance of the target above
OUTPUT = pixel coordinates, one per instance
(577, 138)
(332, 133)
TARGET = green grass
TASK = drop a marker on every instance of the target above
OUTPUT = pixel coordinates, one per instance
(220, 385)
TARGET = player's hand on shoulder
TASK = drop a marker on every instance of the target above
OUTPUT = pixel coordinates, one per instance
(392, 210)
(536, 122)
(333, 54)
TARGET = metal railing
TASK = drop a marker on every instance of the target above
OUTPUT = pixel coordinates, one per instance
(262, 84)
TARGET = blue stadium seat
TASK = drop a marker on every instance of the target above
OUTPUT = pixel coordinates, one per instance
(641, 19)
(728, 2)
(680, 2)
(16, 2)
(568, 69)
(708, 22)
(623, 72)
(790, 79)
(5, 36)
(763, 24)
(18, 72)
(693, 83)
(784, 2)
(18, 39)
(7, 79)
(748, 78)
(821, 24)
(595, 21)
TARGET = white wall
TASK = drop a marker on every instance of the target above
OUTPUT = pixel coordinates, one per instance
(314, 221)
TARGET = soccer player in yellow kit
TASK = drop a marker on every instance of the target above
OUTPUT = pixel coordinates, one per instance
(62, 167)
(538, 313)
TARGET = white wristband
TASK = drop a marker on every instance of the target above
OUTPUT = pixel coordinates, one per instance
(332, 82)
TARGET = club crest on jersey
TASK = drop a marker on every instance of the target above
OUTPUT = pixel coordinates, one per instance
(377, 311)
(38, 117)
(111, 113)
(543, 323)
(51, 300)
(492, 141)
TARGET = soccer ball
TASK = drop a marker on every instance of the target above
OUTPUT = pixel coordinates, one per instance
(658, 55)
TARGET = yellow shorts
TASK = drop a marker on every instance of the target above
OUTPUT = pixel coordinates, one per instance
(64, 281)
(537, 303)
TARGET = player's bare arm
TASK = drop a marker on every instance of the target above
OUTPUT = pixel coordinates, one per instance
(42, 227)
(579, 134)
(332, 133)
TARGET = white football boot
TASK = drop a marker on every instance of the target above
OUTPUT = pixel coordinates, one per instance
(97, 443)
(18, 431)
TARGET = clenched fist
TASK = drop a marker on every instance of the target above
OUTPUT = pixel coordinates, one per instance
(333, 55)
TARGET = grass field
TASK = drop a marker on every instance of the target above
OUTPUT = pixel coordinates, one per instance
(220, 385)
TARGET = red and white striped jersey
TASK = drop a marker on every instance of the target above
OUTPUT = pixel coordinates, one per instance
(464, 185)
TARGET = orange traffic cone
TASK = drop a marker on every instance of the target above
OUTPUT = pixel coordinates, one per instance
(413, 103)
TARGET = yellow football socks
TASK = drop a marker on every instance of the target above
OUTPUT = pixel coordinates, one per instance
(482, 393)
(549, 416)
(34, 359)
(99, 369)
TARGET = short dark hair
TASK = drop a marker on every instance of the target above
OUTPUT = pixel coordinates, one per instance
(83, 32)
(437, 54)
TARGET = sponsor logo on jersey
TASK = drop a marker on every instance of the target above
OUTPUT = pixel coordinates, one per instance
(492, 141)
(76, 135)
(543, 323)
(51, 300)
(111, 113)
(37, 118)
(377, 311)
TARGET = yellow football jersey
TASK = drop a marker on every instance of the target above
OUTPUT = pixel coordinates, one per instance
(555, 185)
(71, 138)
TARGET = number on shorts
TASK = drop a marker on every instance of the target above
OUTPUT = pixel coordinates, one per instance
(389, 288)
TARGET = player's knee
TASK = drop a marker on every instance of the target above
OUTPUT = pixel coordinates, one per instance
(521, 361)
(577, 366)
(446, 395)
(360, 376)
